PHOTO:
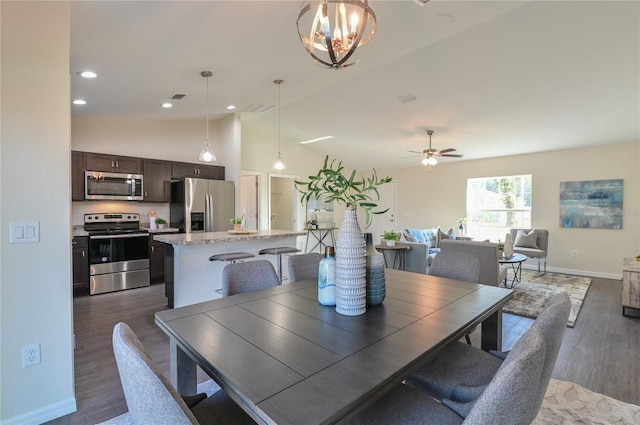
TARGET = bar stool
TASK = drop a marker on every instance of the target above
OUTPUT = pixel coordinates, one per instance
(279, 250)
(231, 256)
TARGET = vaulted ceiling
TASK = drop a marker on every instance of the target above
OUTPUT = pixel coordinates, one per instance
(491, 78)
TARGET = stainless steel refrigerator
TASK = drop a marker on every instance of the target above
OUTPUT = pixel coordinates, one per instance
(202, 205)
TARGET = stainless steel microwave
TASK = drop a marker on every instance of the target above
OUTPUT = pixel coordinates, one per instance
(99, 185)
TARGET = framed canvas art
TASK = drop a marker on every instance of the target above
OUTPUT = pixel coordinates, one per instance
(595, 204)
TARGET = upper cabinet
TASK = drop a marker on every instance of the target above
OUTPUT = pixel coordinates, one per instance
(157, 180)
(113, 163)
(77, 175)
(185, 169)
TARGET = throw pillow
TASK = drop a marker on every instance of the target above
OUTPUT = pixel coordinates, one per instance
(449, 235)
(526, 240)
(415, 234)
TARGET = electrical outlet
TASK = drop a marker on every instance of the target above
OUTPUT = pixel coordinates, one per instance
(30, 355)
(574, 253)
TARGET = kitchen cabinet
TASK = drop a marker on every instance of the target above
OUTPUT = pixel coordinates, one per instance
(157, 180)
(156, 260)
(113, 163)
(77, 175)
(80, 260)
(185, 169)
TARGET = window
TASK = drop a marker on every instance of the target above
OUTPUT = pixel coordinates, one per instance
(497, 204)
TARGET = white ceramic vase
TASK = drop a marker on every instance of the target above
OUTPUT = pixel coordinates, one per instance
(351, 264)
(508, 246)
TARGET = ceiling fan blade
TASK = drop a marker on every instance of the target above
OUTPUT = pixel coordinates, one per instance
(410, 156)
(447, 150)
(419, 153)
(452, 155)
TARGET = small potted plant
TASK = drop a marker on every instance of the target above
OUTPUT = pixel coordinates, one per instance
(237, 223)
(161, 222)
(391, 237)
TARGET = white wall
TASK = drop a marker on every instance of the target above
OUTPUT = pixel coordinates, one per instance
(438, 198)
(35, 278)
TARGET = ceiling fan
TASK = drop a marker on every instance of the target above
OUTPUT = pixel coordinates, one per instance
(429, 155)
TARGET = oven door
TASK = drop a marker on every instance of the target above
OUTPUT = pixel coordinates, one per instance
(118, 253)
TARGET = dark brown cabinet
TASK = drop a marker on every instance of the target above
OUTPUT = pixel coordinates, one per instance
(157, 180)
(77, 175)
(185, 169)
(156, 260)
(113, 163)
(80, 260)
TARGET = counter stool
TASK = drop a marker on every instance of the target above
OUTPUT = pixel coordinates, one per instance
(231, 256)
(279, 250)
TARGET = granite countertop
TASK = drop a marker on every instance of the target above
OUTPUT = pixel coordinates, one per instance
(188, 239)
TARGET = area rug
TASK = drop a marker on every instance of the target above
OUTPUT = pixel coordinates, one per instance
(569, 403)
(533, 293)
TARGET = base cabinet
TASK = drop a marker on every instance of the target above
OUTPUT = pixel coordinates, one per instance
(630, 285)
(156, 260)
(80, 260)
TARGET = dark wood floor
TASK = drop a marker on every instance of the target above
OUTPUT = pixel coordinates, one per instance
(600, 353)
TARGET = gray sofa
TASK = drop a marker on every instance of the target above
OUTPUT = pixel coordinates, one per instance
(423, 246)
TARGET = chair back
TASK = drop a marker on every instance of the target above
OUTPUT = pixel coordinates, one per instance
(486, 252)
(150, 397)
(304, 266)
(238, 278)
(552, 321)
(510, 398)
(456, 265)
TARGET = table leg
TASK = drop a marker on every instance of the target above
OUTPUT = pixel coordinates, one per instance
(492, 332)
(183, 370)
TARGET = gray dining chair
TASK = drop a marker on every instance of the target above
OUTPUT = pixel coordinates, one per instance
(461, 372)
(150, 397)
(304, 266)
(456, 265)
(250, 276)
(509, 399)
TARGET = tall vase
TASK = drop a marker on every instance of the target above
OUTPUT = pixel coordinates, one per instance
(351, 285)
(508, 246)
(376, 289)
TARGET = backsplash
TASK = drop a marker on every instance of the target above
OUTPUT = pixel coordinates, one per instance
(79, 209)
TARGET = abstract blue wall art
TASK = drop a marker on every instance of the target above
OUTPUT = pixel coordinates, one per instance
(595, 204)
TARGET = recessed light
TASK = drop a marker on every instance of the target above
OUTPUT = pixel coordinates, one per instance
(79, 102)
(231, 107)
(87, 74)
(315, 140)
(167, 105)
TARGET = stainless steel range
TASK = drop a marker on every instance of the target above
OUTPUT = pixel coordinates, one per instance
(118, 252)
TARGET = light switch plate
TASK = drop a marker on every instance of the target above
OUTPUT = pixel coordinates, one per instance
(24, 231)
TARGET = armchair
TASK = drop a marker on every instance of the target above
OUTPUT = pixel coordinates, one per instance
(533, 243)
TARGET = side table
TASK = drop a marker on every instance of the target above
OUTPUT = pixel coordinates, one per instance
(321, 238)
(630, 285)
(516, 261)
(398, 251)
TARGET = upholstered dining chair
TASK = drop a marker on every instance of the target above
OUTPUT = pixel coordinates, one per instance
(461, 372)
(456, 265)
(509, 399)
(248, 277)
(304, 266)
(150, 397)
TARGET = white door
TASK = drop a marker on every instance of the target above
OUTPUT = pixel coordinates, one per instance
(384, 222)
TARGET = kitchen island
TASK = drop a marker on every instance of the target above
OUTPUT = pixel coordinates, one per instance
(191, 278)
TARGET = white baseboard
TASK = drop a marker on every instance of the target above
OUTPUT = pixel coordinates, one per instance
(614, 276)
(44, 414)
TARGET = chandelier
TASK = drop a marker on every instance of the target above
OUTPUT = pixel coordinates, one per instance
(336, 30)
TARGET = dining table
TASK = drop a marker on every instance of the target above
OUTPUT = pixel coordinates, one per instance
(286, 359)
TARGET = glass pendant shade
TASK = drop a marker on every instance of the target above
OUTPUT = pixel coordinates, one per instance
(278, 164)
(332, 30)
(206, 154)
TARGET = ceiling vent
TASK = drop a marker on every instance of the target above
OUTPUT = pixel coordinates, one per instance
(177, 96)
(256, 108)
(407, 98)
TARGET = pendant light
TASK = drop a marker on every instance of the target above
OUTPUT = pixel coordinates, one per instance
(279, 165)
(206, 154)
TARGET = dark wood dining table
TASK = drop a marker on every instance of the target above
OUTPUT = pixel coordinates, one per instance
(285, 359)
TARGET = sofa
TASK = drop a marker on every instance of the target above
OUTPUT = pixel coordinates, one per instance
(423, 246)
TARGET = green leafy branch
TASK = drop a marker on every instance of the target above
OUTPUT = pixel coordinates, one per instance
(331, 182)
